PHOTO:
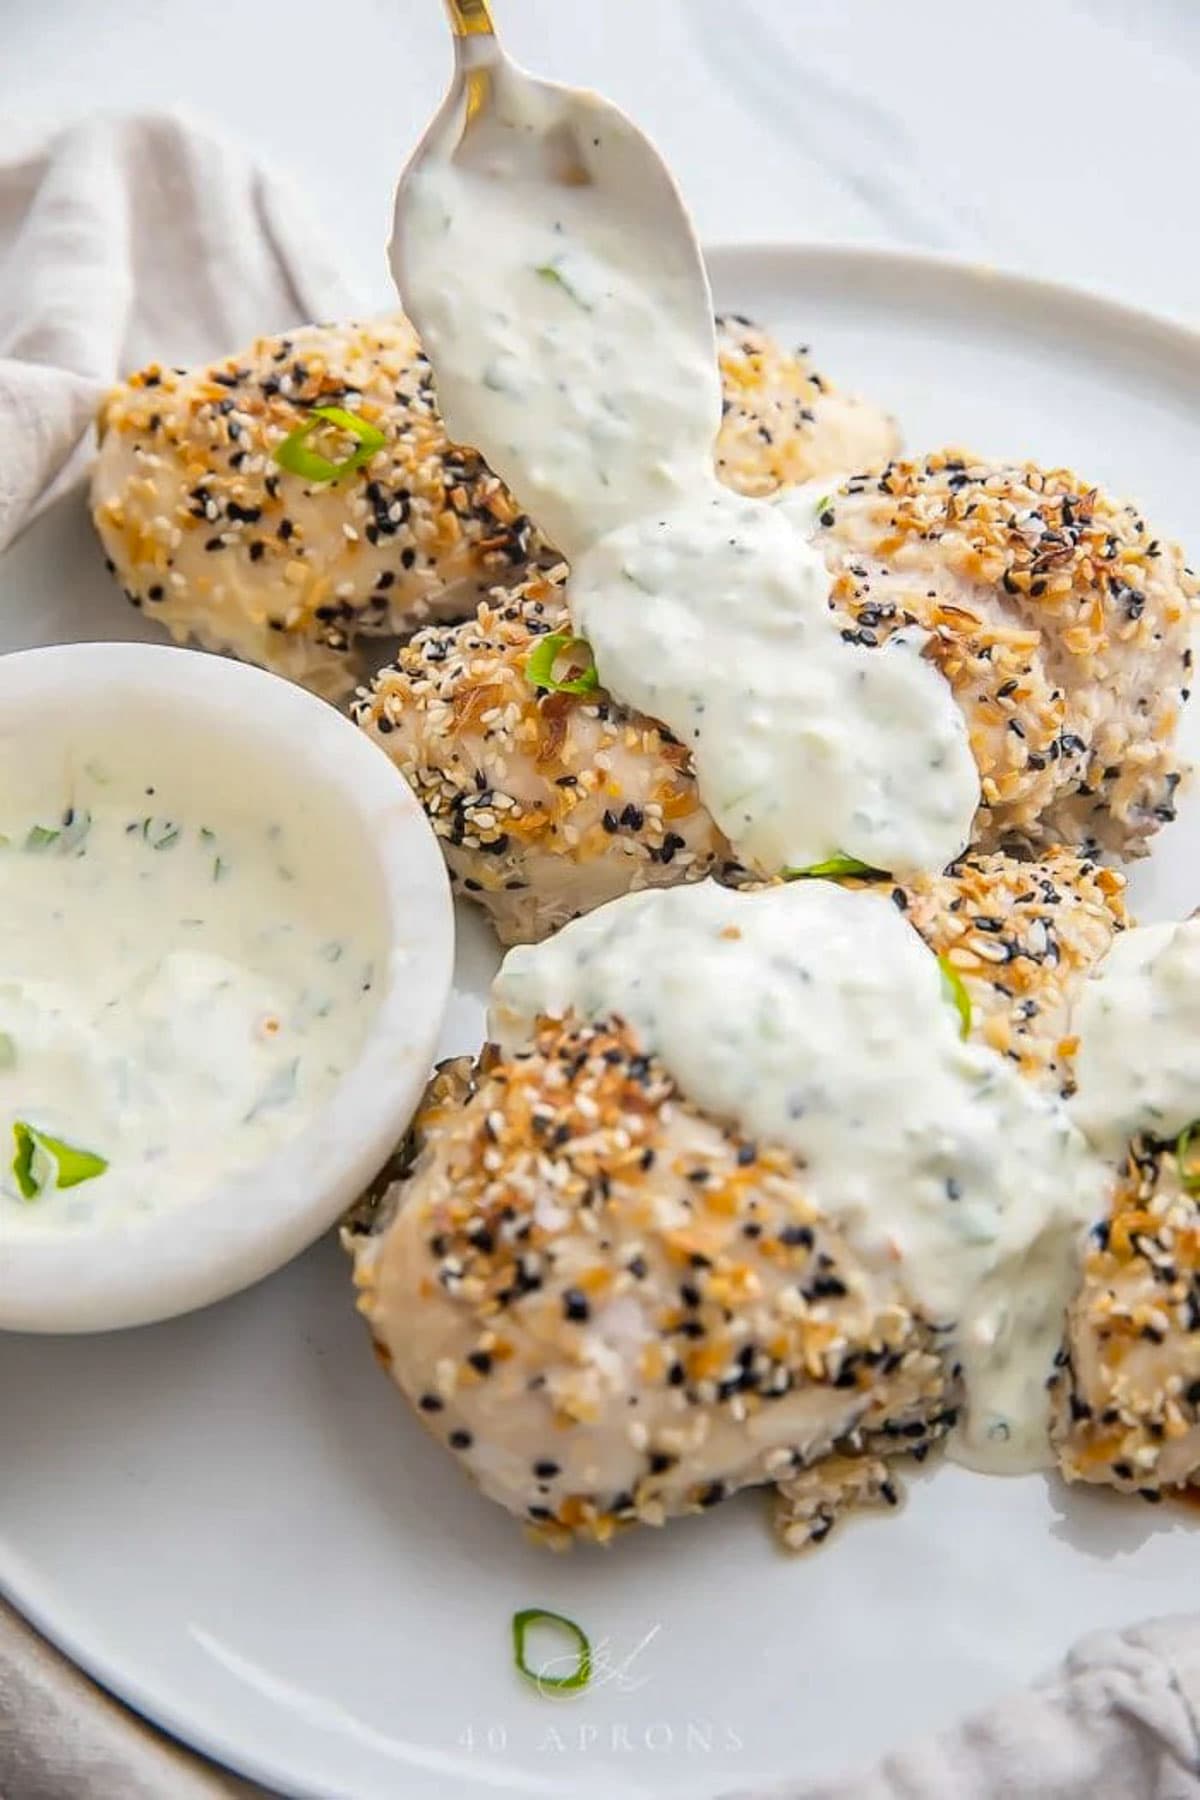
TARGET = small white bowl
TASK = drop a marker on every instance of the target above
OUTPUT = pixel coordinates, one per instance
(234, 719)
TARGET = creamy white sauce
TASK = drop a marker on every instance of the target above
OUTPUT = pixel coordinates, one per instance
(804, 746)
(571, 334)
(816, 1018)
(1138, 1023)
(552, 273)
(178, 992)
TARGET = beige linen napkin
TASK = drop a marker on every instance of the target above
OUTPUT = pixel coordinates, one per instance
(135, 239)
(128, 240)
(1119, 1721)
(61, 1738)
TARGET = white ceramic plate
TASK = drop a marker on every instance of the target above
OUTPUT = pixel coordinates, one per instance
(234, 1522)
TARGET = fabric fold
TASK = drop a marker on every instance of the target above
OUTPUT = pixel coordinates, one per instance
(126, 240)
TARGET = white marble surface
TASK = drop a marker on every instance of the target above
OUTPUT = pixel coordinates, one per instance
(1052, 136)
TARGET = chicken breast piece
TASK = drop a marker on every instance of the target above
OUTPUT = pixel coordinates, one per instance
(587, 1287)
(547, 805)
(550, 804)
(1022, 937)
(210, 536)
(784, 424)
(1127, 1400)
(613, 1310)
(1062, 626)
(1062, 622)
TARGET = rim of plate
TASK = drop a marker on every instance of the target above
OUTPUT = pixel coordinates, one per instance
(783, 255)
(780, 260)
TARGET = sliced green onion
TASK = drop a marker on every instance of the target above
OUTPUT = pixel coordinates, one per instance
(580, 1675)
(40, 837)
(539, 668)
(551, 272)
(834, 866)
(1189, 1177)
(41, 1159)
(295, 456)
(955, 990)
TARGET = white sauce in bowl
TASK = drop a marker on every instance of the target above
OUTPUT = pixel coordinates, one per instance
(1138, 1022)
(816, 1018)
(179, 991)
(553, 276)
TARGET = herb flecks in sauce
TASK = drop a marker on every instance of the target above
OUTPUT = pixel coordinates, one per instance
(169, 1010)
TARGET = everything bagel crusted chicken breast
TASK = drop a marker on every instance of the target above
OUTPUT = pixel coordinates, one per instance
(1061, 625)
(211, 537)
(1022, 936)
(1127, 1398)
(1062, 622)
(614, 1308)
(783, 423)
(547, 805)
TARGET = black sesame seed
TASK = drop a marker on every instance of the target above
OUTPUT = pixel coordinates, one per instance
(460, 1440)
(575, 1305)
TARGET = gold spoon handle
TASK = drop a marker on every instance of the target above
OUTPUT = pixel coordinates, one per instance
(470, 18)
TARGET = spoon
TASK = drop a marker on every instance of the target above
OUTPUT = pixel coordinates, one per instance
(482, 69)
(538, 235)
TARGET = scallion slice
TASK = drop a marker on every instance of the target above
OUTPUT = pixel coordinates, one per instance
(579, 1676)
(955, 990)
(294, 455)
(552, 272)
(41, 1159)
(539, 667)
(1190, 1177)
(834, 867)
